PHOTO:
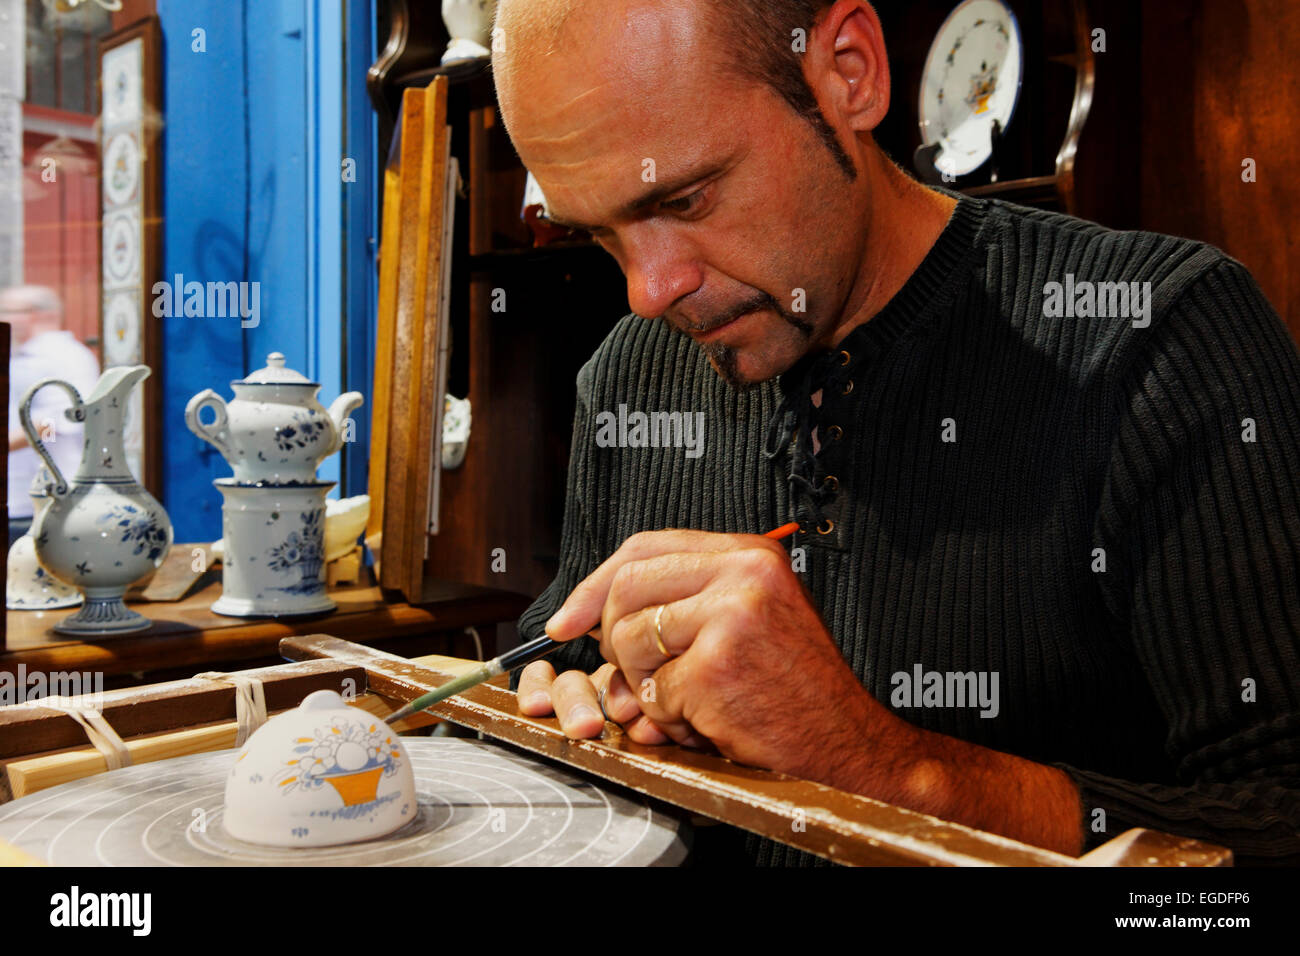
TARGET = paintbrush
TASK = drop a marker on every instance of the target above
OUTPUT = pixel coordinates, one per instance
(521, 655)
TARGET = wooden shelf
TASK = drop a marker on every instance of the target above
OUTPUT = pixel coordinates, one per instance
(187, 634)
(1033, 191)
(499, 258)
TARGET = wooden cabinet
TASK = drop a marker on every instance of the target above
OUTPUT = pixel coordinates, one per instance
(523, 320)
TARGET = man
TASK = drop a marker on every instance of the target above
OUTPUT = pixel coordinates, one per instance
(1084, 527)
(41, 348)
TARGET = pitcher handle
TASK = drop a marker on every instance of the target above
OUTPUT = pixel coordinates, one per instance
(77, 413)
(216, 434)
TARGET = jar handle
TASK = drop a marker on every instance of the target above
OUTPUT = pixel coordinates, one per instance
(77, 413)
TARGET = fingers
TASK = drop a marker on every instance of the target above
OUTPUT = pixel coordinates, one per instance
(633, 642)
(582, 610)
(574, 698)
(641, 587)
(620, 700)
(534, 691)
(571, 697)
(576, 705)
(643, 730)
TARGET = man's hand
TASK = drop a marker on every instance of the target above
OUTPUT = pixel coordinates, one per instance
(747, 662)
(750, 666)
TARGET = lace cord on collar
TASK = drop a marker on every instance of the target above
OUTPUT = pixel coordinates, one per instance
(793, 423)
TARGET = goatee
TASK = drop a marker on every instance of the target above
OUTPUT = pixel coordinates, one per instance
(723, 359)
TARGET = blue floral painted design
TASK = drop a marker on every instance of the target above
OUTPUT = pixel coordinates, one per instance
(307, 428)
(138, 526)
(302, 551)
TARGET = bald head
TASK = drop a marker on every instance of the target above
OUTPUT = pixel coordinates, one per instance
(30, 298)
(529, 31)
(760, 40)
(704, 162)
(30, 310)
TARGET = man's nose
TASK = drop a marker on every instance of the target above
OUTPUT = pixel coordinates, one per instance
(659, 272)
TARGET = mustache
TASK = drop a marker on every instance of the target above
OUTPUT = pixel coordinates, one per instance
(730, 314)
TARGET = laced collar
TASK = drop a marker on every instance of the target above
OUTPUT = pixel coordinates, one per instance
(833, 372)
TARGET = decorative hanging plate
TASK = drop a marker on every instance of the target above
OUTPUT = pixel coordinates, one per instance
(972, 77)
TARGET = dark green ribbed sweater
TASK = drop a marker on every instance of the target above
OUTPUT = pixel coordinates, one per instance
(1072, 434)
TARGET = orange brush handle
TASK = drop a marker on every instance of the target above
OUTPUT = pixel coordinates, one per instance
(776, 534)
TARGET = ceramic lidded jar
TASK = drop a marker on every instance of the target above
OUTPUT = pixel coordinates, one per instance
(275, 431)
(320, 775)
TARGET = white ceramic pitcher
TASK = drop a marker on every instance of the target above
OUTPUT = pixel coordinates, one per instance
(102, 530)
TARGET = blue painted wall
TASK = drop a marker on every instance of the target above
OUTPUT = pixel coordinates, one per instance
(360, 232)
(254, 131)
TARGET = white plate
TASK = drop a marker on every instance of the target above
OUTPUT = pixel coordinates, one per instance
(971, 78)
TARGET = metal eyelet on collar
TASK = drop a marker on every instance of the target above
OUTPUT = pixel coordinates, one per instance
(831, 484)
(835, 433)
(826, 527)
(848, 387)
(847, 357)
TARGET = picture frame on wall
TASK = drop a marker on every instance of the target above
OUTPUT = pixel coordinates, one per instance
(130, 124)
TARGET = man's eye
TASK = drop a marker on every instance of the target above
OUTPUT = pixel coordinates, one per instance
(684, 204)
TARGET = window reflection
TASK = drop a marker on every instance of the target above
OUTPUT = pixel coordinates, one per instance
(49, 220)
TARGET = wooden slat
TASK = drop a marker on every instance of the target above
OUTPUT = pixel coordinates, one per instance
(415, 411)
(32, 774)
(142, 710)
(410, 310)
(28, 775)
(180, 571)
(1152, 848)
(830, 823)
(385, 339)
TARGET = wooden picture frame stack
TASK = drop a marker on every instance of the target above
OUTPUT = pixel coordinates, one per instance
(411, 344)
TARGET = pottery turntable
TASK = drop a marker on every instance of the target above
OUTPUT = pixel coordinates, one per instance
(324, 783)
(478, 805)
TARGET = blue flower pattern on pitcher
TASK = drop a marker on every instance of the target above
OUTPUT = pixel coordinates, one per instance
(139, 526)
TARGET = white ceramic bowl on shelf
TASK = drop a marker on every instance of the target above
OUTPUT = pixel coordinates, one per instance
(29, 587)
(320, 775)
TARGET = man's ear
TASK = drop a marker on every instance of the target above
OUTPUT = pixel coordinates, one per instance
(848, 67)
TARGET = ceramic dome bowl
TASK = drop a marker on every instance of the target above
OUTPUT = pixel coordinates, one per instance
(320, 775)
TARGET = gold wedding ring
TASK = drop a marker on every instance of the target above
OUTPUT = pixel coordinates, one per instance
(659, 631)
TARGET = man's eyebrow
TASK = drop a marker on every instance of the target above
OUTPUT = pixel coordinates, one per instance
(657, 194)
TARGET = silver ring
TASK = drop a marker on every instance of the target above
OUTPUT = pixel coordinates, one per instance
(600, 698)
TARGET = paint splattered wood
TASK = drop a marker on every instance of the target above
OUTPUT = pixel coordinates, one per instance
(830, 823)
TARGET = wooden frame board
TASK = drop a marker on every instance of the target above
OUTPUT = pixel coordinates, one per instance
(839, 826)
(412, 308)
